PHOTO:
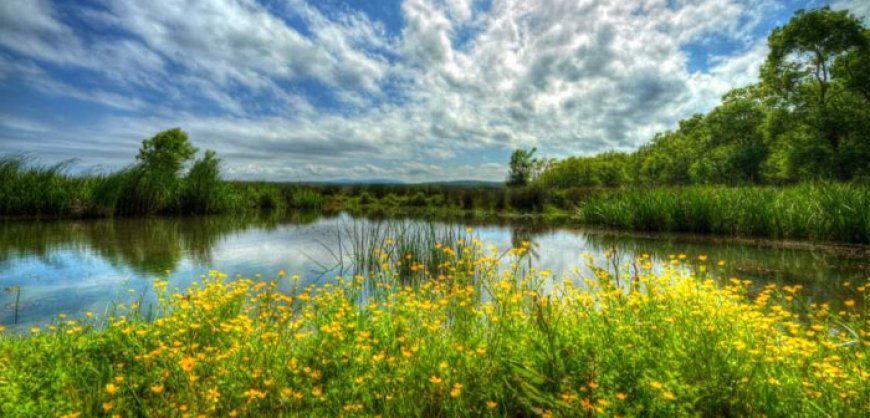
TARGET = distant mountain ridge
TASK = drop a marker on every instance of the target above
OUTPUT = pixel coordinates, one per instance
(394, 182)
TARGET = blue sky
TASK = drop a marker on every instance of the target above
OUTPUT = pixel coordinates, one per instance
(416, 90)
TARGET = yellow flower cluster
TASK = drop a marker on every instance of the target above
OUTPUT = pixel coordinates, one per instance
(485, 335)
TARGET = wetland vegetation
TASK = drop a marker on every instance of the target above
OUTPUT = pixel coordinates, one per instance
(165, 289)
(484, 333)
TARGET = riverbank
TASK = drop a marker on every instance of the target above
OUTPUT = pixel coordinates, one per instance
(481, 340)
(824, 212)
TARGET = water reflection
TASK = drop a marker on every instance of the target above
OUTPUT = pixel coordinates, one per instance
(78, 266)
(146, 246)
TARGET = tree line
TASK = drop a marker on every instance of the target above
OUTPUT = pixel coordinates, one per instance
(806, 119)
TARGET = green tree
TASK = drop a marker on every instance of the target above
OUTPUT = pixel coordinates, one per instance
(154, 183)
(736, 146)
(854, 68)
(522, 167)
(167, 151)
(798, 72)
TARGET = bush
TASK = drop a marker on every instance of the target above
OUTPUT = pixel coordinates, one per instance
(204, 191)
(305, 198)
(528, 199)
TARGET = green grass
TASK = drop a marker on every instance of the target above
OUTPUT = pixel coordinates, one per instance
(824, 211)
(41, 190)
(483, 336)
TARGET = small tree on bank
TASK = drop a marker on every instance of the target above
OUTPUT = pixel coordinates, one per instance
(522, 167)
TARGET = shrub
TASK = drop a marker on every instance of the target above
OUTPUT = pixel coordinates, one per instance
(527, 199)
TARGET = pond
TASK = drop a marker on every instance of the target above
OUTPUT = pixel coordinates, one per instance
(78, 266)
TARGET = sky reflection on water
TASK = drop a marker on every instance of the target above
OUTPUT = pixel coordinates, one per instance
(85, 265)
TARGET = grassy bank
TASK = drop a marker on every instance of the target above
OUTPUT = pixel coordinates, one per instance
(479, 338)
(828, 212)
(32, 191)
(837, 212)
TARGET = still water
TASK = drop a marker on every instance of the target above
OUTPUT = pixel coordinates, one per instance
(73, 267)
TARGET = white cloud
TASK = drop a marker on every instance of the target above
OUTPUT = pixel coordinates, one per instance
(860, 8)
(451, 91)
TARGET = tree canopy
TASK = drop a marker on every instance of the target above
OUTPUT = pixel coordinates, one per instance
(167, 151)
(807, 118)
(522, 167)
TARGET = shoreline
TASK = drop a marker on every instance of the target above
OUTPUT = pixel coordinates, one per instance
(543, 221)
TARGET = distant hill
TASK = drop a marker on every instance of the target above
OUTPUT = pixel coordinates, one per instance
(465, 183)
(394, 182)
(362, 181)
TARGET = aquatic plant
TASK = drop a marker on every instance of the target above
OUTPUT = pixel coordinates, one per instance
(485, 336)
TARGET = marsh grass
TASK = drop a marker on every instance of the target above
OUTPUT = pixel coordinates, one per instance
(484, 338)
(823, 211)
(32, 190)
(816, 211)
(416, 250)
(40, 190)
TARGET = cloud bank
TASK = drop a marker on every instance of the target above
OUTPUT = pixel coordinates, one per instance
(418, 90)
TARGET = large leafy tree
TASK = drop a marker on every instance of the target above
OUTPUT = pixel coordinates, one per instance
(854, 69)
(799, 74)
(166, 152)
(736, 148)
(155, 181)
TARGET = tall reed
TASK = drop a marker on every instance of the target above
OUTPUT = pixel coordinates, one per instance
(822, 211)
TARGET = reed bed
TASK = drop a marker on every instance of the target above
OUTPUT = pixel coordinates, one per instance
(486, 335)
(411, 249)
(823, 211)
(817, 211)
(37, 191)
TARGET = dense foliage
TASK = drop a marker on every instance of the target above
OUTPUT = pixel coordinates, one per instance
(479, 336)
(523, 167)
(808, 118)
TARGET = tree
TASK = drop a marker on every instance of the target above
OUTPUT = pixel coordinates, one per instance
(737, 148)
(155, 182)
(798, 71)
(854, 69)
(166, 152)
(522, 167)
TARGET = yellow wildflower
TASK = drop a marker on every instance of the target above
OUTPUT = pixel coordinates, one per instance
(187, 364)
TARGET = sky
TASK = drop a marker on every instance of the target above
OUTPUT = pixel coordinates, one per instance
(410, 90)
